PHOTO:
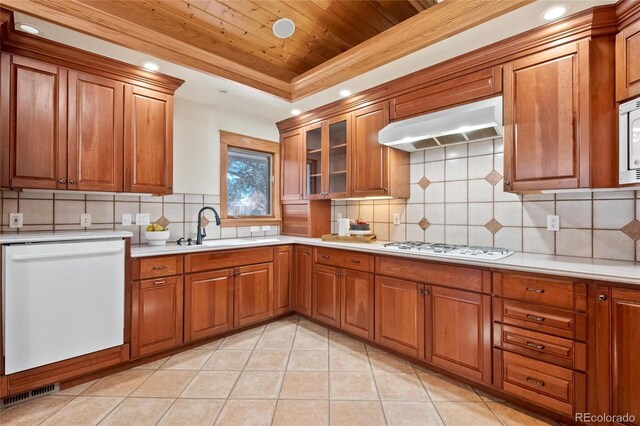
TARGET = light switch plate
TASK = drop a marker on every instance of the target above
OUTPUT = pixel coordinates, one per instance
(396, 218)
(142, 218)
(255, 229)
(85, 220)
(126, 219)
(339, 216)
(16, 220)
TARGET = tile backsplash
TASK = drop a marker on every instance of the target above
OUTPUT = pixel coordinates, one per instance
(49, 211)
(456, 197)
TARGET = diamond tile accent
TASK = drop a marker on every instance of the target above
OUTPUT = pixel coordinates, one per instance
(424, 223)
(632, 230)
(493, 226)
(204, 221)
(493, 177)
(163, 221)
(424, 182)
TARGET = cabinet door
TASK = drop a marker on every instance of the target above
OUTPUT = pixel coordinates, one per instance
(282, 279)
(369, 159)
(357, 303)
(253, 294)
(459, 332)
(37, 117)
(314, 161)
(96, 114)
(399, 315)
(148, 135)
(156, 317)
(326, 294)
(208, 301)
(303, 278)
(628, 62)
(293, 163)
(337, 173)
(542, 144)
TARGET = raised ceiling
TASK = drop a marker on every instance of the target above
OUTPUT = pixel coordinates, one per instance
(333, 41)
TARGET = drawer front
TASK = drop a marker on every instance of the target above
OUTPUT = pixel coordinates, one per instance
(344, 259)
(539, 382)
(540, 318)
(153, 267)
(213, 260)
(556, 350)
(560, 293)
(433, 273)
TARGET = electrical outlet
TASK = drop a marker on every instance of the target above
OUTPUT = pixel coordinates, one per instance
(339, 216)
(396, 218)
(142, 218)
(15, 220)
(255, 229)
(85, 220)
(126, 219)
(553, 222)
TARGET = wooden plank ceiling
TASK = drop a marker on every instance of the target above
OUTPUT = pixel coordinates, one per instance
(234, 39)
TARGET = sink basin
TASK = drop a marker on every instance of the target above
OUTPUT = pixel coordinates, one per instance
(237, 242)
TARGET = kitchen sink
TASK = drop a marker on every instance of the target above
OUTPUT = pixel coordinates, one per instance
(237, 242)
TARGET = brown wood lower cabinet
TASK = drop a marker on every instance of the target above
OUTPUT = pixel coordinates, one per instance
(326, 295)
(253, 294)
(208, 300)
(283, 272)
(357, 303)
(303, 278)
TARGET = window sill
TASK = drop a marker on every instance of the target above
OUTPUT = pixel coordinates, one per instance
(250, 221)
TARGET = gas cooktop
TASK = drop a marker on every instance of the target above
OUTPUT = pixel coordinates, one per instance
(452, 250)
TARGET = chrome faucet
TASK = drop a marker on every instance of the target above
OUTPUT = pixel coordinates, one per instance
(201, 231)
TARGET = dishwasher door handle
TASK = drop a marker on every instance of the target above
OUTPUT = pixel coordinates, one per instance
(19, 257)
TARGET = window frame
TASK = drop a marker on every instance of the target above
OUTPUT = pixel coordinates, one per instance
(248, 143)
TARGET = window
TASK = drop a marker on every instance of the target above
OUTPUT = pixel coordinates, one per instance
(249, 176)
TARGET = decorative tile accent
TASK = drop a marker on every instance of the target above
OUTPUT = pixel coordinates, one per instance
(493, 177)
(632, 230)
(163, 221)
(204, 221)
(424, 182)
(493, 226)
(424, 223)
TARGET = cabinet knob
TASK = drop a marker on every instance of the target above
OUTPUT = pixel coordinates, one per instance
(602, 297)
(507, 182)
(72, 181)
(384, 189)
(420, 291)
(62, 181)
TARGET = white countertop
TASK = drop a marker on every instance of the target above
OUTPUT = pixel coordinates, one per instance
(576, 267)
(43, 237)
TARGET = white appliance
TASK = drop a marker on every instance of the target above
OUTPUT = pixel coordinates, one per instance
(61, 300)
(462, 124)
(451, 250)
(630, 142)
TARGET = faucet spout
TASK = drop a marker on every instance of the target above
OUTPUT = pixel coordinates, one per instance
(201, 231)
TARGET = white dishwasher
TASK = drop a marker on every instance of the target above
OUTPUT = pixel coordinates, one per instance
(61, 300)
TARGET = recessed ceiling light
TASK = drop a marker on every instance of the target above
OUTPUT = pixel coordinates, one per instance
(28, 28)
(284, 28)
(344, 93)
(151, 66)
(554, 12)
(295, 111)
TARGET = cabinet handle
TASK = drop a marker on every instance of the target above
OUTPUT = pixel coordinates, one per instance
(535, 381)
(159, 268)
(535, 290)
(62, 181)
(159, 282)
(426, 292)
(535, 345)
(324, 256)
(420, 291)
(535, 317)
(72, 181)
(602, 297)
(355, 261)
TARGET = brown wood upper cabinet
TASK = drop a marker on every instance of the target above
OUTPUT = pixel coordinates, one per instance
(628, 62)
(293, 165)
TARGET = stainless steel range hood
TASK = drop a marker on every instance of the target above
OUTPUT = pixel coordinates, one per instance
(463, 124)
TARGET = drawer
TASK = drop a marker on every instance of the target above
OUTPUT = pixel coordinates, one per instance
(556, 350)
(153, 267)
(434, 273)
(212, 260)
(546, 291)
(539, 382)
(543, 319)
(344, 259)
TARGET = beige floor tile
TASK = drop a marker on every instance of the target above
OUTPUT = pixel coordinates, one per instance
(357, 386)
(411, 413)
(240, 341)
(119, 384)
(270, 342)
(75, 390)
(138, 411)
(486, 396)
(225, 360)
(387, 363)
(341, 342)
(349, 361)
(305, 385)
(285, 326)
(211, 346)
(258, 384)
(254, 330)
(238, 412)
(298, 412)
(308, 327)
(400, 386)
(308, 361)
(164, 384)
(84, 411)
(466, 413)
(33, 412)
(192, 412)
(356, 413)
(268, 360)
(371, 348)
(153, 365)
(188, 360)
(310, 341)
(211, 384)
(442, 388)
(511, 415)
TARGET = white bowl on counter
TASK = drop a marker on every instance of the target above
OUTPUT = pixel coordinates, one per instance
(156, 238)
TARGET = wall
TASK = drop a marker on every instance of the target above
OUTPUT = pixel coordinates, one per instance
(458, 193)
